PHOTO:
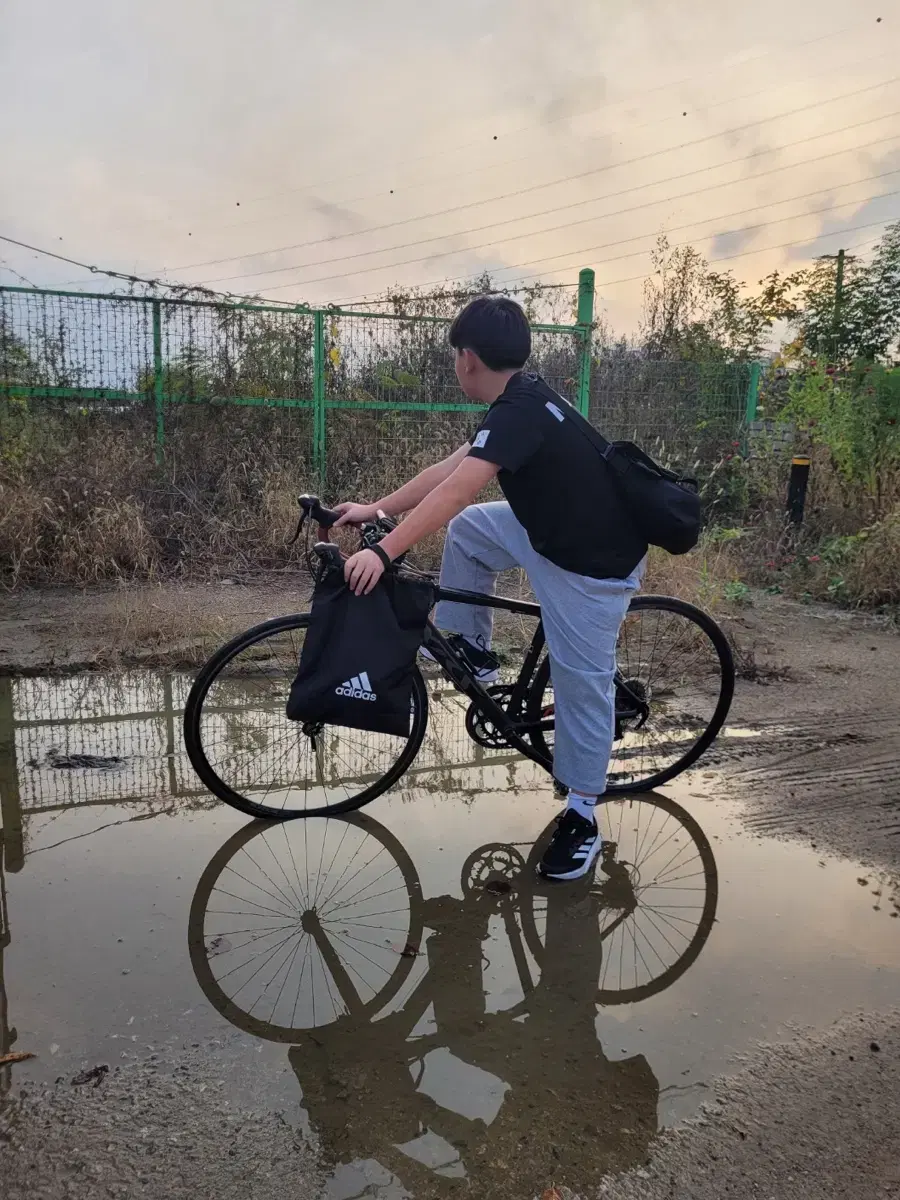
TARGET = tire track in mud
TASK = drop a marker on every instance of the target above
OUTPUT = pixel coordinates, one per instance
(834, 781)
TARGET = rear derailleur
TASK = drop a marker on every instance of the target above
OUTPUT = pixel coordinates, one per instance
(632, 706)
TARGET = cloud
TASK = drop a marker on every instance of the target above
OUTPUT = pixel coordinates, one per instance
(862, 225)
(724, 244)
(241, 134)
(338, 218)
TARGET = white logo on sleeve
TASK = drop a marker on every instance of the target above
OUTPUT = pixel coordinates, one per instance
(557, 412)
(481, 439)
(357, 688)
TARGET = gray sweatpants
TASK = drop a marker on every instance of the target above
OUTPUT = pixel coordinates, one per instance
(581, 619)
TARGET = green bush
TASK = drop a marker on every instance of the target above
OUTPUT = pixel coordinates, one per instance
(854, 412)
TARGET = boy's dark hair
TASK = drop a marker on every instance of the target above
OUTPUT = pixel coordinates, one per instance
(496, 329)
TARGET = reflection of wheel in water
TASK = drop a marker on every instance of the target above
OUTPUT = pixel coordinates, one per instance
(656, 889)
(673, 658)
(493, 863)
(293, 926)
(246, 751)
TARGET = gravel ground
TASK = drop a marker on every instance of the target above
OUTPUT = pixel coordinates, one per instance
(159, 1130)
(815, 1118)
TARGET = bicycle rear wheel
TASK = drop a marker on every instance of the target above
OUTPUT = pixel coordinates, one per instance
(678, 661)
(654, 895)
(246, 751)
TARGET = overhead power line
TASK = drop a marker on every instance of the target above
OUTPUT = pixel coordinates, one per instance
(643, 93)
(568, 207)
(534, 277)
(619, 241)
(495, 166)
(126, 277)
(550, 183)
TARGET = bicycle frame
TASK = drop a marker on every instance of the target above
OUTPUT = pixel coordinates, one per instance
(464, 681)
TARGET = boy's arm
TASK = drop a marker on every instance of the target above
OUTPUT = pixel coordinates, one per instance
(406, 497)
(365, 568)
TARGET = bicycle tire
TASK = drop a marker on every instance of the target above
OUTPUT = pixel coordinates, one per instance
(610, 996)
(193, 735)
(535, 702)
(199, 954)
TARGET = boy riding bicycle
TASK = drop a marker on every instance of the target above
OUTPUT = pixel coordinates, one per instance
(562, 521)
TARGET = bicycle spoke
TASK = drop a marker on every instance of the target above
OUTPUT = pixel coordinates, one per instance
(648, 920)
(295, 935)
(257, 752)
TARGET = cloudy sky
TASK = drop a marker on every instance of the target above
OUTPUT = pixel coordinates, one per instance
(324, 151)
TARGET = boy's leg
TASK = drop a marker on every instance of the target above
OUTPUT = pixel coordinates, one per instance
(483, 540)
(581, 619)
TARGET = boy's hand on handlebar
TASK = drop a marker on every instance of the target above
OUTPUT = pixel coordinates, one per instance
(363, 570)
(355, 514)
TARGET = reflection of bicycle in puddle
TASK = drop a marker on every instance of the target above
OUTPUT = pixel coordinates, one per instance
(316, 934)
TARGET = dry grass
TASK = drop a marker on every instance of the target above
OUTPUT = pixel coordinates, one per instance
(705, 577)
(860, 569)
(83, 503)
(164, 626)
(155, 627)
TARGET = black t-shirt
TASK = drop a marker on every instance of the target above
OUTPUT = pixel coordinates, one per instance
(556, 482)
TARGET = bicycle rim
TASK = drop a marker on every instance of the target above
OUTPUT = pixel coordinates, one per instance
(288, 925)
(679, 660)
(246, 751)
(655, 892)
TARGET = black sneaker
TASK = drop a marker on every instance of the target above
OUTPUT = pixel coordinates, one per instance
(484, 665)
(573, 848)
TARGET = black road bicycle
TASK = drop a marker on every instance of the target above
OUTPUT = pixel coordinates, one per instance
(673, 687)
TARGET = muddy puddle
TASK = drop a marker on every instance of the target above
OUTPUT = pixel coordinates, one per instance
(399, 981)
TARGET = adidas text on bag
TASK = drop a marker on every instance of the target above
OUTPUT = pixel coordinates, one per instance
(358, 688)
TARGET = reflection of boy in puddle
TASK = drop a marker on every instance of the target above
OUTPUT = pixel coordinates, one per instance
(569, 1114)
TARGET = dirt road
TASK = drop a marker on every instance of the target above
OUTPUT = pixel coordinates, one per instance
(814, 755)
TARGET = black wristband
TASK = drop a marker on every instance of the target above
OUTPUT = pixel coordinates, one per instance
(386, 560)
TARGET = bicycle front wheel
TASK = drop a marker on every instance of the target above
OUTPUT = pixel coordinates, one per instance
(246, 751)
(296, 926)
(676, 660)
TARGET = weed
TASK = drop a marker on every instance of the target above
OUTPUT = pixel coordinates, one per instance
(736, 592)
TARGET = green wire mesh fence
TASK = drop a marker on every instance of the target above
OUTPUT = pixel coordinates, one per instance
(140, 434)
(683, 412)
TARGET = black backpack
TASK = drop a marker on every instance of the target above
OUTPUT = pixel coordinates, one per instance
(664, 505)
(359, 655)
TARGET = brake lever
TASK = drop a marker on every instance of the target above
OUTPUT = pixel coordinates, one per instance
(298, 530)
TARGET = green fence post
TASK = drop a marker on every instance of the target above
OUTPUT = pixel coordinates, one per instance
(158, 380)
(319, 396)
(585, 326)
(12, 847)
(752, 399)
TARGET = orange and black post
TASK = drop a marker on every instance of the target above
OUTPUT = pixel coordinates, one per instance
(796, 497)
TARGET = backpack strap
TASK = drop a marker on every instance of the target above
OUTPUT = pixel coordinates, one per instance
(569, 413)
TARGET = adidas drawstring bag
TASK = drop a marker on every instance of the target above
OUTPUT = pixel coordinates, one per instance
(358, 657)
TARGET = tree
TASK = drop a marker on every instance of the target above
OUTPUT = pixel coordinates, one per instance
(867, 322)
(694, 313)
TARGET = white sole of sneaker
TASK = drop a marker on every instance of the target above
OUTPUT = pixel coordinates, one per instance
(578, 872)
